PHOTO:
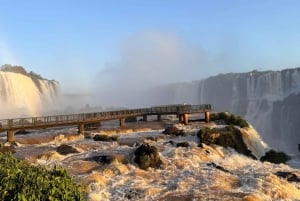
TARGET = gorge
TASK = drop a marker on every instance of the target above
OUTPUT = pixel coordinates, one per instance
(269, 100)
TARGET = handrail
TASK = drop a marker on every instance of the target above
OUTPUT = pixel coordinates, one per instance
(100, 116)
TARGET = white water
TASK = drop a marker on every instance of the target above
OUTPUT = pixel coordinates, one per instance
(20, 95)
(185, 173)
(263, 98)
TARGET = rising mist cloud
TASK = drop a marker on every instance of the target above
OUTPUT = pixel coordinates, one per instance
(149, 59)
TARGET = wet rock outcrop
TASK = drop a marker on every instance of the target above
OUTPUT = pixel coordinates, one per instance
(172, 130)
(147, 156)
(289, 176)
(275, 157)
(228, 136)
(66, 149)
(105, 138)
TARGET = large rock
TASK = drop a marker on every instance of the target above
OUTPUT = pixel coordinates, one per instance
(172, 130)
(147, 156)
(289, 176)
(226, 137)
(66, 149)
(275, 157)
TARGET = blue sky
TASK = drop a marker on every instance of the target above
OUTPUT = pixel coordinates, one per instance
(86, 43)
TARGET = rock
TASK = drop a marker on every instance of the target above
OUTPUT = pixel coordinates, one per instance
(289, 176)
(183, 144)
(105, 138)
(147, 156)
(174, 131)
(134, 194)
(108, 159)
(4, 149)
(217, 167)
(275, 157)
(66, 149)
(229, 136)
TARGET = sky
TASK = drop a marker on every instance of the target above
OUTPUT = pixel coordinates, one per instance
(91, 45)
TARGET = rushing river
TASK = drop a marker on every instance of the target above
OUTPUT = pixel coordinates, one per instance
(187, 173)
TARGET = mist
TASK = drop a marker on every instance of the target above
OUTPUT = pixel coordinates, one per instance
(148, 60)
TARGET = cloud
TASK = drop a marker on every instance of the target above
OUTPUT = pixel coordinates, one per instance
(149, 59)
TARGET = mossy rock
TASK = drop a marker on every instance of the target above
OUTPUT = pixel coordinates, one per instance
(105, 138)
(147, 156)
(174, 131)
(226, 137)
(66, 149)
(275, 157)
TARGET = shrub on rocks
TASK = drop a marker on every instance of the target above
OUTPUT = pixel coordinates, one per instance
(105, 138)
(147, 156)
(275, 157)
(226, 137)
(229, 119)
(22, 181)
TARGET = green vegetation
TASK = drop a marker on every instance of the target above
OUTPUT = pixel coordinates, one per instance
(226, 137)
(21, 70)
(24, 182)
(230, 119)
(275, 157)
(105, 138)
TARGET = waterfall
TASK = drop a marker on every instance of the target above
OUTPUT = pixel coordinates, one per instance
(269, 100)
(21, 95)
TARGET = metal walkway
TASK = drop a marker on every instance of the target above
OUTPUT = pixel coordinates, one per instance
(7, 125)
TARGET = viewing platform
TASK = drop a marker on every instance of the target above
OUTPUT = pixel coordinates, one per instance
(182, 111)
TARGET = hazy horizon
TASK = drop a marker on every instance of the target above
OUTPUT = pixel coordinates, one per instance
(95, 46)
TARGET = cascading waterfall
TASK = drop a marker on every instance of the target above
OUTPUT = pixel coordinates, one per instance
(22, 95)
(269, 100)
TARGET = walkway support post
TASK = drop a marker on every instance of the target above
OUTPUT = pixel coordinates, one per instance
(159, 117)
(122, 122)
(181, 118)
(145, 117)
(207, 117)
(81, 129)
(10, 136)
(186, 119)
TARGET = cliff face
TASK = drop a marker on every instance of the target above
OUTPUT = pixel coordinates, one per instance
(269, 100)
(24, 95)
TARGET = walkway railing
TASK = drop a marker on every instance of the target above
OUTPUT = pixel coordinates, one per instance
(73, 119)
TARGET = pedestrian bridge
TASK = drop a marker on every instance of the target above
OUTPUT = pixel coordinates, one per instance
(182, 111)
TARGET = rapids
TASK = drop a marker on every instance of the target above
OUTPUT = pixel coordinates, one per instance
(187, 173)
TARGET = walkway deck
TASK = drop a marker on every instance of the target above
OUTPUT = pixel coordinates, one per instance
(11, 125)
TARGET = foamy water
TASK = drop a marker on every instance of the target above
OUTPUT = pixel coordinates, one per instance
(187, 173)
